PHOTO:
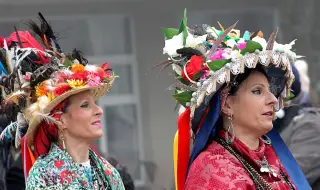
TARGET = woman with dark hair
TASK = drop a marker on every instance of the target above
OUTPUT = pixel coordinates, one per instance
(58, 113)
(229, 94)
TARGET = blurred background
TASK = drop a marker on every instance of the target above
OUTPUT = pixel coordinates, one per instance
(139, 117)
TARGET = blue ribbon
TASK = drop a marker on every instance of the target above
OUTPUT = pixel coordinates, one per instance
(288, 161)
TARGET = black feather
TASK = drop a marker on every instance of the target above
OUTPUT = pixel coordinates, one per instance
(46, 28)
(189, 52)
(34, 27)
(77, 54)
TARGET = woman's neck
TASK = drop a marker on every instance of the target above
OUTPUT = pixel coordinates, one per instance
(251, 141)
(77, 149)
(246, 137)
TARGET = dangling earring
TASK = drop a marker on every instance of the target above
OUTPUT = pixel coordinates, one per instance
(230, 127)
(62, 139)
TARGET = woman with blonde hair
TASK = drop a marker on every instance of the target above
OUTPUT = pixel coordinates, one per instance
(57, 98)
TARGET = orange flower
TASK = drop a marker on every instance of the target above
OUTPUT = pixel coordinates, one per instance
(41, 90)
(77, 68)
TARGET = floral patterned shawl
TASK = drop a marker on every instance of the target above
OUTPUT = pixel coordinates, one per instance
(56, 170)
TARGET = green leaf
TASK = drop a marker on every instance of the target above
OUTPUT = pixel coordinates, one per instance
(251, 46)
(183, 97)
(217, 64)
(197, 76)
(169, 33)
(67, 63)
(183, 27)
(291, 95)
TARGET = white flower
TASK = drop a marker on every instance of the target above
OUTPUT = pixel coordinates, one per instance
(283, 48)
(194, 41)
(173, 44)
(261, 41)
(91, 68)
(231, 43)
(213, 31)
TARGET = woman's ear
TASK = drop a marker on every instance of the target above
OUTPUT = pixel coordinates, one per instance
(63, 121)
(226, 106)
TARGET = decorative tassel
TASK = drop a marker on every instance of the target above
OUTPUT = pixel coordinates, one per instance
(242, 65)
(227, 73)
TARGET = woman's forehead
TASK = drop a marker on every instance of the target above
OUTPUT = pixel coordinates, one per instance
(256, 78)
(86, 95)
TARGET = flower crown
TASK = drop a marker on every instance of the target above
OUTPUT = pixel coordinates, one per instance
(203, 58)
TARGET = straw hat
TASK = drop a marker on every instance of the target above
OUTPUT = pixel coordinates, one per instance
(63, 84)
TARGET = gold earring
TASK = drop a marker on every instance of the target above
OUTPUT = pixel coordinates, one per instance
(62, 139)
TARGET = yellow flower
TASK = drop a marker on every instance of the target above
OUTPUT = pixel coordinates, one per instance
(51, 96)
(76, 83)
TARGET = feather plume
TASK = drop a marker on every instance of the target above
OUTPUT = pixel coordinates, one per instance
(21, 129)
(15, 97)
(9, 132)
(78, 55)
(8, 56)
(272, 39)
(46, 28)
(220, 39)
(2, 69)
(47, 118)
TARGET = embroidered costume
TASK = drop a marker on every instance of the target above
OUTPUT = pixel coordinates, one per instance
(206, 62)
(57, 170)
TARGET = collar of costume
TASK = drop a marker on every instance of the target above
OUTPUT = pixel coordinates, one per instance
(204, 59)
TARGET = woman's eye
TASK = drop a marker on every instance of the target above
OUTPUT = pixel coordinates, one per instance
(85, 105)
(257, 91)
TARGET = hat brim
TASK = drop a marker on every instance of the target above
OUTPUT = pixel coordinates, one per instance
(96, 91)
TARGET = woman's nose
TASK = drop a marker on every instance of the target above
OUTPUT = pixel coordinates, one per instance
(99, 110)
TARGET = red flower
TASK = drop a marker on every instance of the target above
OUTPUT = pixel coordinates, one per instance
(59, 163)
(105, 66)
(100, 73)
(61, 88)
(193, 67)
(64, 174)
(79, 76)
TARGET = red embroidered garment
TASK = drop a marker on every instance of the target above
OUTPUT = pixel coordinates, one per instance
(216, 168)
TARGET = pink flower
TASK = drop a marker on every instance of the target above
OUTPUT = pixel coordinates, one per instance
(242, 45)
(217, 55)
(27, 76)
(93, 80)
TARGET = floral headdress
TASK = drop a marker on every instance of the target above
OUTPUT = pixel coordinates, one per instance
(34, 79)
(204, 59)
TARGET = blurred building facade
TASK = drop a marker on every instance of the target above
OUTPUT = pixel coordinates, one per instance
(139, 118)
